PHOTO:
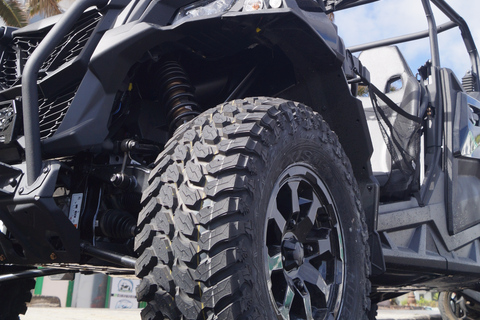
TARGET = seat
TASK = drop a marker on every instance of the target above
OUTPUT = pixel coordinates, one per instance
(390, 73)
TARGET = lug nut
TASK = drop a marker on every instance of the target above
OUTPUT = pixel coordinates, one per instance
(299, 284)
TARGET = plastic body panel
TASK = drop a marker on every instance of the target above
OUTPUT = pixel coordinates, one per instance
(42, 231)
(463, 184)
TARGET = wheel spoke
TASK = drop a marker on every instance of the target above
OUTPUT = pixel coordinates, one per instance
(324, 245)
(330, 317)
(308, 222)
(457, 310)
(310, 274)
(287, 303)
(312, 212)
(275, 262)
(302, 229)
(295, 201)
(307, 302)
(278, 217)
(460, 308)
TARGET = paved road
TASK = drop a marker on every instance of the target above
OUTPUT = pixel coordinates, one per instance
(79, 314)
(106, 314)
(409, 314)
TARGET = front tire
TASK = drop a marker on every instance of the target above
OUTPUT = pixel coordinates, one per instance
(253, 212)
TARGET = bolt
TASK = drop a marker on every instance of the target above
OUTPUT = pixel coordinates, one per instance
(299, 284)
(310, 249)
(53, 256)
(2, 258)
(45, 170)
(20, 190)
(12, 182)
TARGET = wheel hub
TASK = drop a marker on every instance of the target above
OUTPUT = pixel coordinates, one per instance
(292, 251)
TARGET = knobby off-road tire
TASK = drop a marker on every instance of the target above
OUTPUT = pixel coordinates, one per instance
(14, 295)
(252, 212)
(373, 312)
(453, 306)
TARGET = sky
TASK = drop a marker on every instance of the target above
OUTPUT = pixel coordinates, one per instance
(390, 18)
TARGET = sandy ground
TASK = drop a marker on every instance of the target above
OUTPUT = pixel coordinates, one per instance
(106, 314)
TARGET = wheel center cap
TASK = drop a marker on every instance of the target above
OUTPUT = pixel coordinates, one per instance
(292, 251)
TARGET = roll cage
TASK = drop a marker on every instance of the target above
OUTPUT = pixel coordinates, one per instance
(455, 21)
(434, 134)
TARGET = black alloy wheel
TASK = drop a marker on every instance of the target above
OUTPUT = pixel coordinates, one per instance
(304, 247)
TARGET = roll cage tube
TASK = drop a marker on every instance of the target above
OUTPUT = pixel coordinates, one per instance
(401, 39)
(433, 34)
(466, 35)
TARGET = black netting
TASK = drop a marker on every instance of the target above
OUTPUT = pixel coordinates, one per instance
(401, 132)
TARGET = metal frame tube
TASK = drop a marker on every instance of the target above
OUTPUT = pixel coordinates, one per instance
(31, 123)
(466, 35)
(401, 39)
(107, 255)
(33, 273)
(433, 34)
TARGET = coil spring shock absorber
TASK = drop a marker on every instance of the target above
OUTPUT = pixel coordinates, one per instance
(178, 95)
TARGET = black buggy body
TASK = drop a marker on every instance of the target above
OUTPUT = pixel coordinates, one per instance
(220, 151)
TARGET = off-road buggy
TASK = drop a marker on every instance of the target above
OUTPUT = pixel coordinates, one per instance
(218, 150)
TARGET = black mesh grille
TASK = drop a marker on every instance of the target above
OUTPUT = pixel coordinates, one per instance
(52, 111)
(23, 45)
(8, 68)
(73, 42)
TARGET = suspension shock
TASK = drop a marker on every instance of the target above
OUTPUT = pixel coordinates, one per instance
(178, 95)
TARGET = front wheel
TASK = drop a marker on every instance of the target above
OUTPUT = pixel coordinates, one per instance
(253, 212)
